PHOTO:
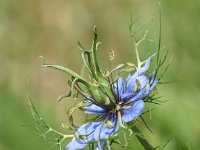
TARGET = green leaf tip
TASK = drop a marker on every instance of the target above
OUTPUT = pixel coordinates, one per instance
(42, 60)
(95, 29)
(63, 69)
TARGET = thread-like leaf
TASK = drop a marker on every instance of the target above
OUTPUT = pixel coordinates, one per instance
(44, 130)
(141, 139)
(70, 112)
(94, 51)
(66, 70)
(87, 59)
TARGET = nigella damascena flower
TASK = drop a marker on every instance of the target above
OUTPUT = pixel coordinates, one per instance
(127, 106)
(137, 85)
(132, 90)
(106, 126)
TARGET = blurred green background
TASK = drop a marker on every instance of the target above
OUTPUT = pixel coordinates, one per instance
(51, 28)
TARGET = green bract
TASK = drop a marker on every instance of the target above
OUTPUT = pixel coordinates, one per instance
(99, 84)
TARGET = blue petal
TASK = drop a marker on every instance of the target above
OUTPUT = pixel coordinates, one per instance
(143, 80)
(101, 145)
(134, 97)
(128, 78)
(130, 93)
(103, 131)
(87, 130)
(131, 113)
(76, 144)
(152, 78)
(152, 86)
(131, 79)
(131, 84)
(94, 109)
(144, 69)
(127, 96)
(120, 86)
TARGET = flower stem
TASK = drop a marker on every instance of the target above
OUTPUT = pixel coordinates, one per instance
(141, 139)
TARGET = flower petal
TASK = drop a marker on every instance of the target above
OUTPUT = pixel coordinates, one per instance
(152, 86)
(133, 112)
(128, 77)
(127, 96)
(104, 130)
(76, 144)
(144, 69)
(120, 86)
(101, 130)
(143, 80)
(135, 87)
(87, 129)
(94, 109)
(131, 84)
(139, 76)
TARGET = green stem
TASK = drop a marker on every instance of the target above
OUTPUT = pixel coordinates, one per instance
(141, 139)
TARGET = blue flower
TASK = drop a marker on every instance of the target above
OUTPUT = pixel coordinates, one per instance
(127, 106)
(106, 126)
(137, 85)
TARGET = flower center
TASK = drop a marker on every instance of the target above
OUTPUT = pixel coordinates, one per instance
(113, 110)
(118, 107)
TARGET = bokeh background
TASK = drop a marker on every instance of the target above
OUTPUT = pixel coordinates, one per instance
(51, 28)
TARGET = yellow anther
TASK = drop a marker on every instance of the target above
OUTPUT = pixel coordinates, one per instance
(110, 124)
(118, 107)
(147, 87)
(137, 86)
(126, 107)
(107, 101)
(104, 124)
(82, 137)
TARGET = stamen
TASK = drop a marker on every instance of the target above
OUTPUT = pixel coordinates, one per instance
(104, 124)
(110, 124)
(126, 107)
(107, 101)
(147, 87)
(127, 102)
(137, 86)
(82, 137)
(119, 117)
(118, 107)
